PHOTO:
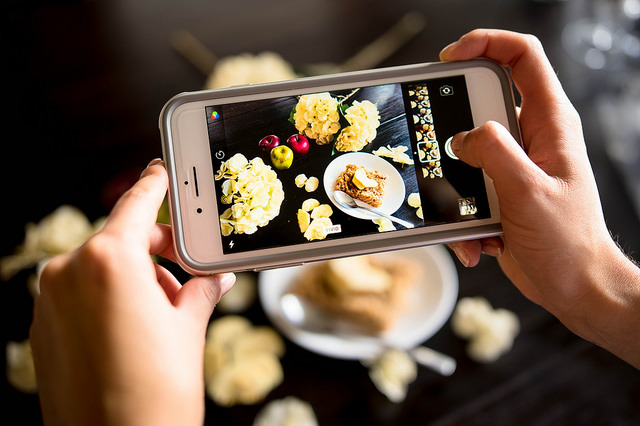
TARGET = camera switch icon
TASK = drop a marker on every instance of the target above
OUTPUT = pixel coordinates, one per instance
(446, 90)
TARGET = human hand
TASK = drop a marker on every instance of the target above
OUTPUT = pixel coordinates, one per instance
(556, 247)
(116, 339)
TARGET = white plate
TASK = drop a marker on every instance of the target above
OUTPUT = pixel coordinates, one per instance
(432, 301)
(394, 192)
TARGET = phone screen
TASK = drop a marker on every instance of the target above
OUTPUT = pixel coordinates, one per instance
(385, 145)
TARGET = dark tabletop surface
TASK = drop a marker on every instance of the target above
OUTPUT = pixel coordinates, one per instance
(84, 85)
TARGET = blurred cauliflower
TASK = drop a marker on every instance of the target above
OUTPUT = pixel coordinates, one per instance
(242, 361)
(392, 373)
(490, 331)
(249, 69)
(21, 372)
(241, 296)
(289, 411)
(61, 231)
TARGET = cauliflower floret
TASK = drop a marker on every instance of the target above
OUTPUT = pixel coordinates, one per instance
(241, 361)
(392, 373)
(21, 372)
(289, 411)
(490, 331)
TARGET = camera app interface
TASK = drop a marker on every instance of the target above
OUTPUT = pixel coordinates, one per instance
(337, 164)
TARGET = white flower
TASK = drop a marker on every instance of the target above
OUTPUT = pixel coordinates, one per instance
(249, 69)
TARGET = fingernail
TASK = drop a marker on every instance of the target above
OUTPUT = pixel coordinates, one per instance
(154, 162)
(456, 142)
(462, 255)
(492, 248)
(444, 53)
(227, 281)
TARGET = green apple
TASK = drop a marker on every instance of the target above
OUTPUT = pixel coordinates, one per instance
(281, 157)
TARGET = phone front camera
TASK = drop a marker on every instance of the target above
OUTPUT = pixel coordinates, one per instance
(198, 210)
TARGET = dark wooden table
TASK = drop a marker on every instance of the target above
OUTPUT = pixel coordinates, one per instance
(84, 85)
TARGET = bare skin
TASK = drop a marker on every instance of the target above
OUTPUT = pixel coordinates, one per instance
(116, 339)
(556, 246)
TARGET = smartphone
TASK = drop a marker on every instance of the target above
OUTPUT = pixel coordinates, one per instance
(258, 174)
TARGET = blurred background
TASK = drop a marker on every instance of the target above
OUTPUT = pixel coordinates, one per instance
(84, 85)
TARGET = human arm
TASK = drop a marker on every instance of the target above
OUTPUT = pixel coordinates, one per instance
(556, 247)
(116, 339)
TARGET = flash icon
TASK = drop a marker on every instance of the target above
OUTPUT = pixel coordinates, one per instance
(231, 244)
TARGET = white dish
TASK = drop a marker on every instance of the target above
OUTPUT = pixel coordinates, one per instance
(432, 301)
(394, 189)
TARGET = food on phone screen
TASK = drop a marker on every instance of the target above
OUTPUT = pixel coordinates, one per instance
(269, 142)
(397, 154)
(300, 180)
(314, 219)
(299, 144)
(311, 184)
(364, 119)
(414, 201)
(281, 157)
(253, 191)
(365, 185)
(316, 116)
(367, 291)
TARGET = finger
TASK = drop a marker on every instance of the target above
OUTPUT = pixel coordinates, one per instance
(136, 211)
(199, 295)
(168, 282)
(467, 252)
(161, 241)
(492, 148)
(531, 70)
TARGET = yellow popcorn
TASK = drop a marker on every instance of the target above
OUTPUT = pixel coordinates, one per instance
(311, 184)
(310, 204)
(316, 116)
(323, 210)
(317, 230)
(419, 213)
(254, 192)
(304, 219)
(300, 180)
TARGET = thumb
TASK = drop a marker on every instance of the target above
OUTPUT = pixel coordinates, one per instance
(200, 295)
(492, 148)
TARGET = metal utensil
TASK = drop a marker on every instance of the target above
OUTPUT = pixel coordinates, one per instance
(346, 201)
(309, 318)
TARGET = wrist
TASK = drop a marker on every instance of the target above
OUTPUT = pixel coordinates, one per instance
(608, 311)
